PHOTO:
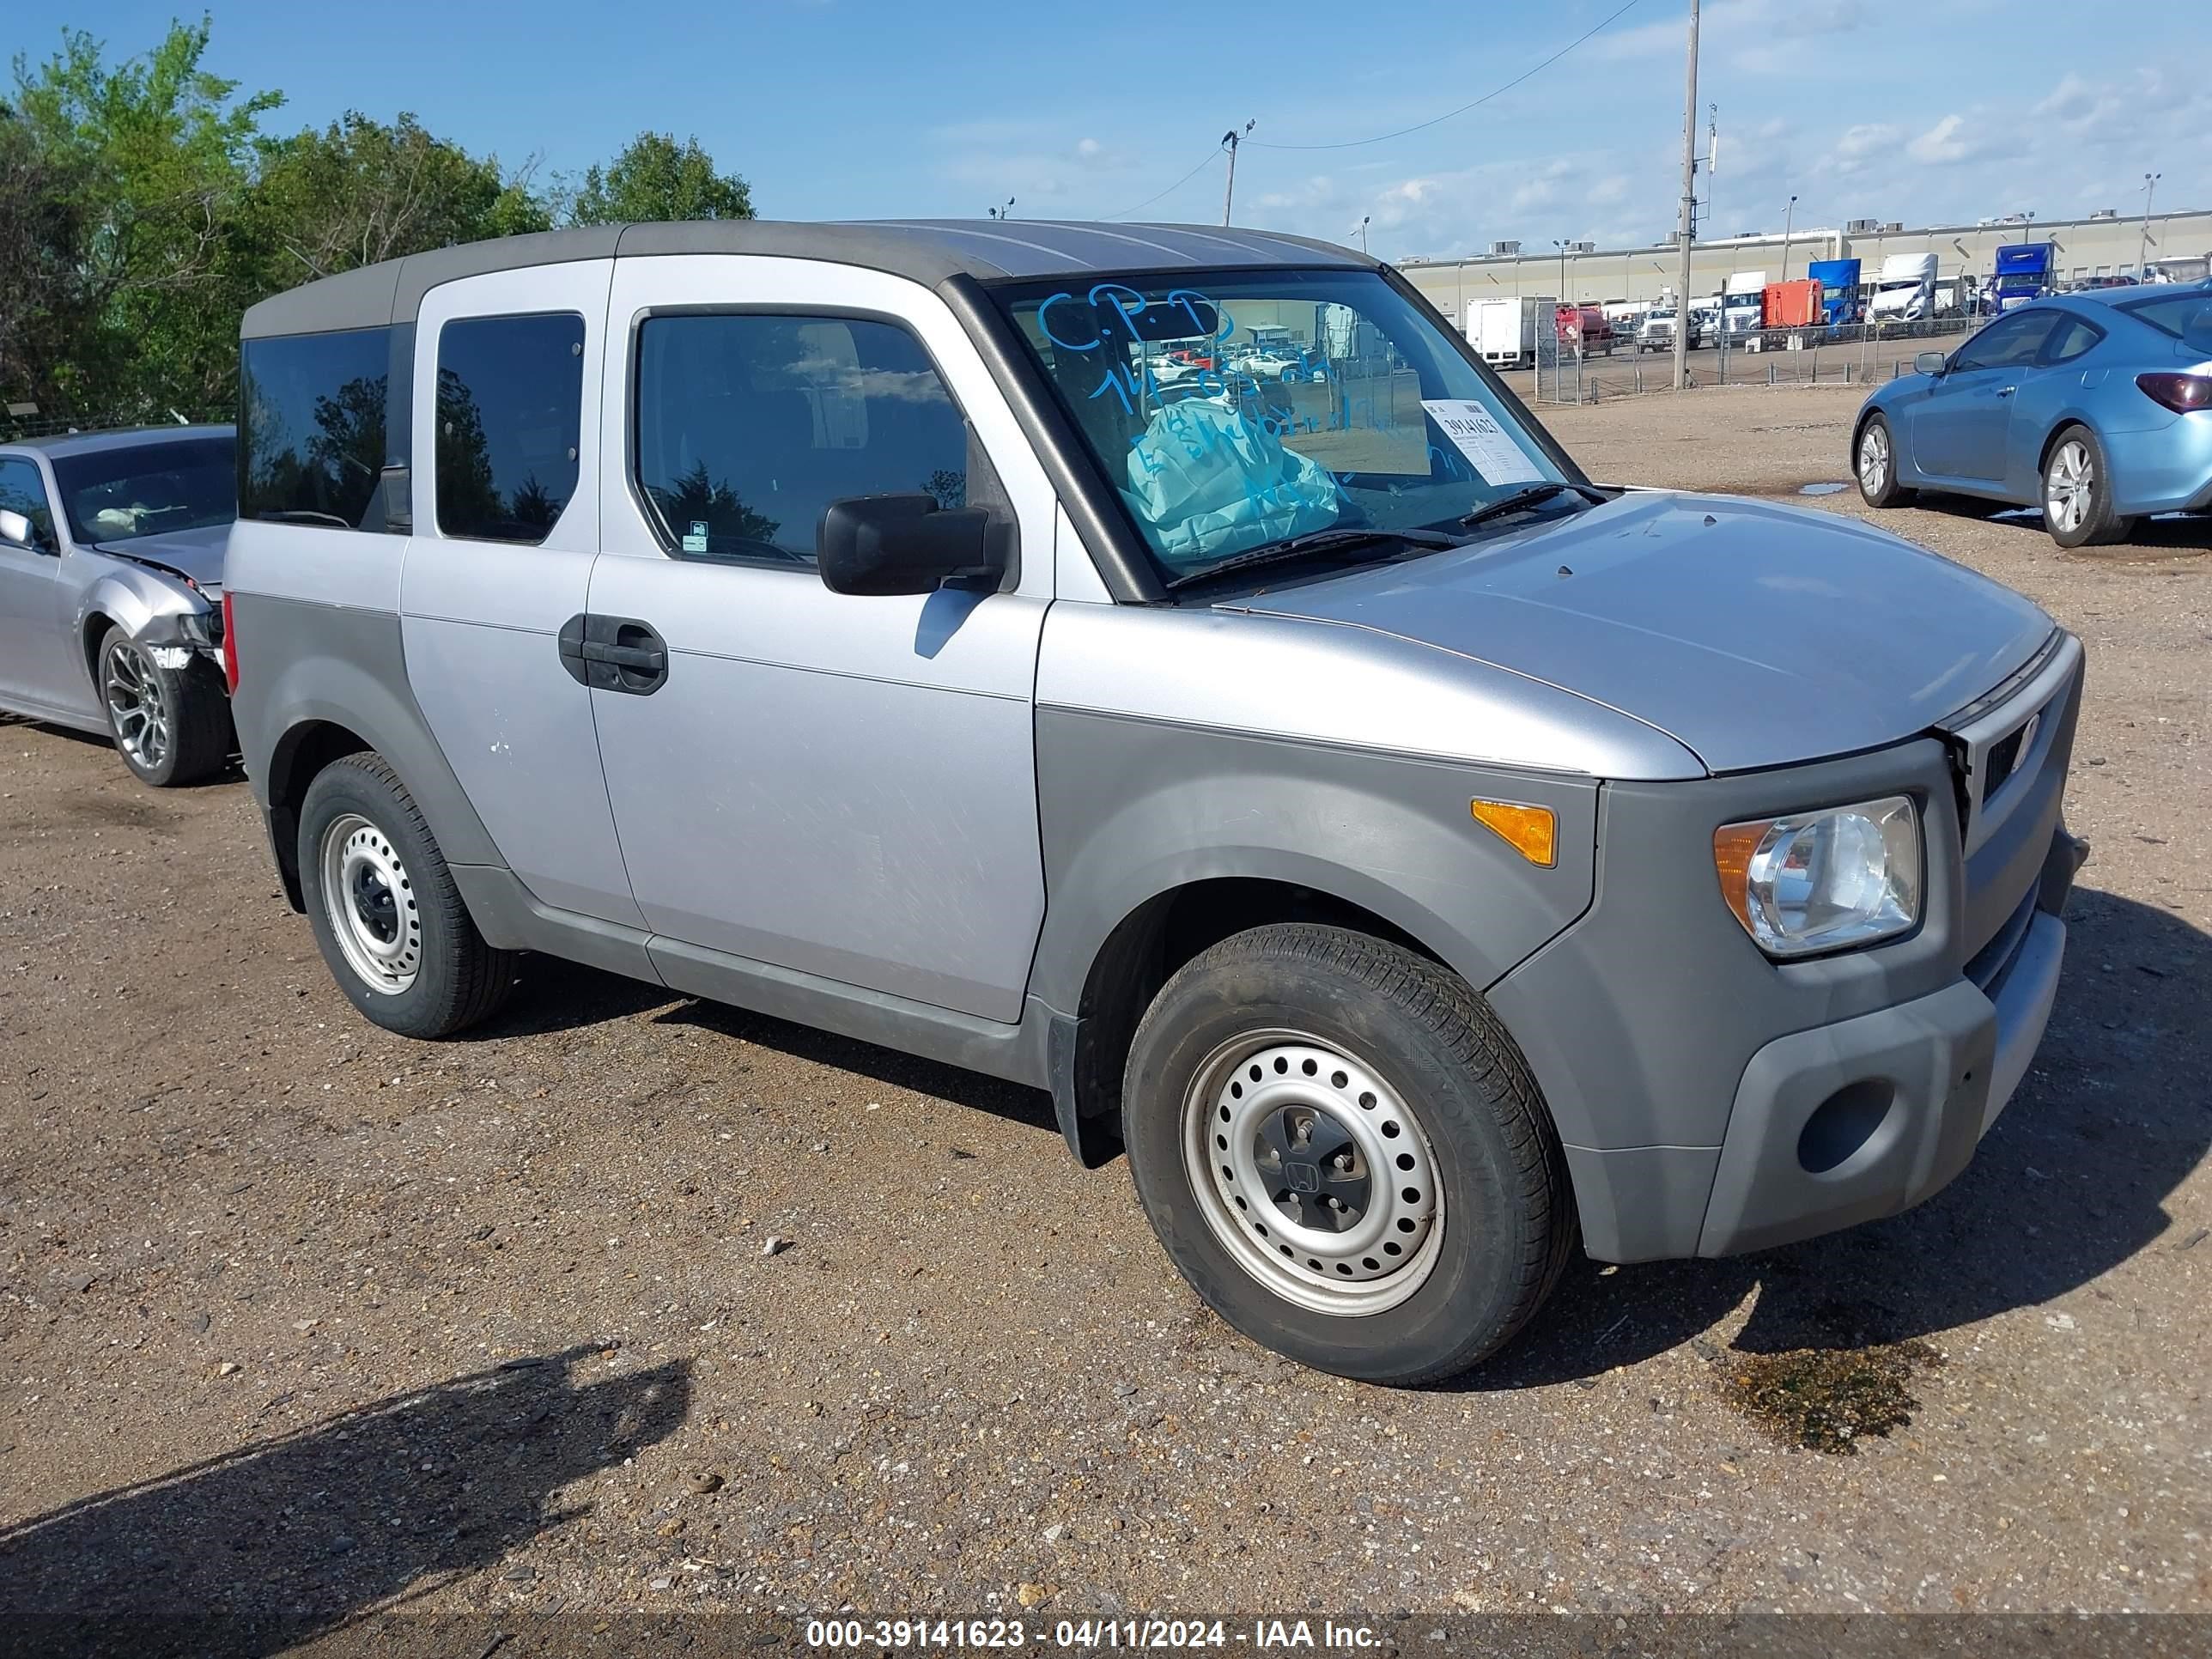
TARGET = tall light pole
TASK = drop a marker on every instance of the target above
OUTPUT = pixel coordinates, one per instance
(1230, 140)
(2142, 247)
(1562, 246)
(1363, 231)
(1688, 228)
(1788, 213)
(1006, 212)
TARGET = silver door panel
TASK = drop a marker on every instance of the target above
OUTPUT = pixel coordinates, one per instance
(481, 620)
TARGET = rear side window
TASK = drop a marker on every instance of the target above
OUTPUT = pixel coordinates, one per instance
(2185, 316)
(510, 408)
(748, 427)
(2070, 339)
(311, 434)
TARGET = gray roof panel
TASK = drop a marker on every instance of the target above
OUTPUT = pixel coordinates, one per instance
(929, 251)
(127, 437)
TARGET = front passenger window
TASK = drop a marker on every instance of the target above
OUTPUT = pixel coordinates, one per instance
(2011, 343)
(22, 490)
(749, 426)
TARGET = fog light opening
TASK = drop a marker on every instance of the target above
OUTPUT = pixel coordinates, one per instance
(1844, 1123)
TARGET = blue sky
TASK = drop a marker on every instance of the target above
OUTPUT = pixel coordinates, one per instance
(1916, 110)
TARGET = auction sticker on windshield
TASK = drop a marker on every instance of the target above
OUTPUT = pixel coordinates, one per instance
(1496, 454)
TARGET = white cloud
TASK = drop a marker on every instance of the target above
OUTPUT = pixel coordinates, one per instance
(1942, 144)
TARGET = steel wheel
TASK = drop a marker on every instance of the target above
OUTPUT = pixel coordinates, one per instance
(138, 713)
(1312, 1174)
(370, 904)
(2070, 486)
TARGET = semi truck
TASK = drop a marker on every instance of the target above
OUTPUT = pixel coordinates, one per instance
(1904, 289)
(1505, 332)
(1791, 305)
(1741, 302)
(2024, 272)
(1840, 289)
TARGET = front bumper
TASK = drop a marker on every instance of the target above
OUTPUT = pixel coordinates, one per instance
(1686, 1072)
(1858, 1119)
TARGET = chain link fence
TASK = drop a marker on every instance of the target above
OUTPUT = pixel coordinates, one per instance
(1845, 355)
(21, 420)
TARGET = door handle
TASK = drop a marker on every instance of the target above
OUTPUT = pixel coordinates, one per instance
(614, 654)
(640, 657)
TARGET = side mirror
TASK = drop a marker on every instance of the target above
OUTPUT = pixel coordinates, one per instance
(879, 544)
(1929, 363)
(14, 527)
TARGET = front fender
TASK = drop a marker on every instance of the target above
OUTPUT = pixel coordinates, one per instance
(149, 607)
(1131, 809)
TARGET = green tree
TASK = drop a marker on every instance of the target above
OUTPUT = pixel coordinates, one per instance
(158, 150)
(657, 179)
(46, 300)
(361, 191)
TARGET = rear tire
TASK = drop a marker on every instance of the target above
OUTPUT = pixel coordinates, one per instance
(1430, 1216)
(387, 915)
(2077, 492)
(1873, 459)
(172, 726)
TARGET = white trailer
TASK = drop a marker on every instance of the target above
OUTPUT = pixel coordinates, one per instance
(1505, 332)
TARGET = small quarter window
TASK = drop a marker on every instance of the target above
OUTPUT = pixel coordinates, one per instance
(311, 429)
(510, 411)
(749, 426)
(2070, 339)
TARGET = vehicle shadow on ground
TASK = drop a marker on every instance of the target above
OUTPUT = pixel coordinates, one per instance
(2071, 1182)
(1032, 1108)
(271, 1544)
(232, 770)
(558, 996)
(2147, 536)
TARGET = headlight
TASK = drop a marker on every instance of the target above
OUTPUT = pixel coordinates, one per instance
(1822, 881)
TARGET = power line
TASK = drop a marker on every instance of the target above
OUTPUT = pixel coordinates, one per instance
(1208, 162)
(1355, 143)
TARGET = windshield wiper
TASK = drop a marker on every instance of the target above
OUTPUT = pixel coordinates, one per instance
(1533, 496)
(1338, 538)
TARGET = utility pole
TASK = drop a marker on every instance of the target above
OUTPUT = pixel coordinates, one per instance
(1688, 228)
(2142, 248)
(1789, 215)
(1230, 139)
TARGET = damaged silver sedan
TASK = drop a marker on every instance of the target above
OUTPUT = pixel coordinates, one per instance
(110, 591)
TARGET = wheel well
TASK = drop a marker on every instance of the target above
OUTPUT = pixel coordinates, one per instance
(1162, 934)
(2050, 440)
(96, 627)
(301, 754)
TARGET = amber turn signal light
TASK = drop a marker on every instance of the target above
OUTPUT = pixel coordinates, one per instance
(1531, 831)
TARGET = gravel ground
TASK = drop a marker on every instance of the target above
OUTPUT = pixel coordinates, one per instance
(303, 1320)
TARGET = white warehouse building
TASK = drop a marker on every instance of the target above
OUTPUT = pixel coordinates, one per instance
(2103, 245)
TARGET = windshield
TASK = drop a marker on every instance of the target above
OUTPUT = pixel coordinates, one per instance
(1237, 409)
(148, 490)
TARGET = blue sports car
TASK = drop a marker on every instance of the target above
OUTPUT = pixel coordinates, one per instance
(2095, 406)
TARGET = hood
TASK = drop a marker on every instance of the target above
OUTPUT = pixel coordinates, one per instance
(1754, 634)
(196, 555)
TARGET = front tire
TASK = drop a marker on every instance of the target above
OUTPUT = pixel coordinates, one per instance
(1343, 1153)
(172, 726)
(2077, 492)
(387, 915)
(1874, 461)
